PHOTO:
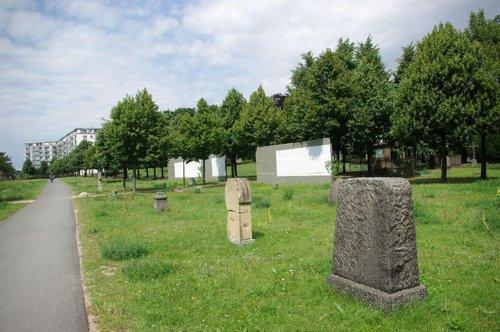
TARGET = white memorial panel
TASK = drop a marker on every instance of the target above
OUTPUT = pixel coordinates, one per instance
(304, 161)
(192, 169)
(218, 166)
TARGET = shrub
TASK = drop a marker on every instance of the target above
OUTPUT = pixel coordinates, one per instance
(260, 203)
(288, 194)
(138, 271)
(120, 250)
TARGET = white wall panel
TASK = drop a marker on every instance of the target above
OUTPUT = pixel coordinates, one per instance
(218, 166)
(192, 169)
(304, 161)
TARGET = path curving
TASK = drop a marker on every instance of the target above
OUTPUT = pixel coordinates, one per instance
(40, 288)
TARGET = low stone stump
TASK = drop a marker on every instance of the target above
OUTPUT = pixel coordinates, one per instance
(333, 194)
(160, 202)
(375, 251)
(239, 217)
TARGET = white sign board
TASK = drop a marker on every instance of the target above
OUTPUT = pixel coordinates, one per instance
(304, 161)
(218, 166)
(192, 169)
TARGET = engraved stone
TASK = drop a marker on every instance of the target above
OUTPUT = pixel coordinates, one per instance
(375, 252)
(160, 202)
(239, 217)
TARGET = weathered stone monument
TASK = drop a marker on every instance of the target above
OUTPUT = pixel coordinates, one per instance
(239, 217)
(99, 181)
(375, 252)
(160, 202)
(333, 194)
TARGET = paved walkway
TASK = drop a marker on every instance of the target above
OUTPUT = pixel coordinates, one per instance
(40, 286)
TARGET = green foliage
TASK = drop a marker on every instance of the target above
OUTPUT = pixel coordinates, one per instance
(260, 203)
(288, 194)
(143, 271)
(6, 165)
(28, 168)
(258, 125)
(120, 250)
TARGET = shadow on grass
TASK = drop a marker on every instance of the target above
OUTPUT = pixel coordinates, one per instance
(449, 180)
(257, 235)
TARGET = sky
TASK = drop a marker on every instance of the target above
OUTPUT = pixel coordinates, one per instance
(65, 64)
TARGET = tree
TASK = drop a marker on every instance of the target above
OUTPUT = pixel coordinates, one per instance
(229, 112)
(437, 88)
(28, 168)
(6, 165)
(321, 97)
(403, 62)
(259, 124)
(485, 33)
(43, 170)
(131, 124)
(204, 135)
(77, 157)
(372, 106)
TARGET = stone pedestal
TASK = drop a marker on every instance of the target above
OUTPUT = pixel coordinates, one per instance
(99, 181)
(160, 202)
(239, 217)
(375, 252)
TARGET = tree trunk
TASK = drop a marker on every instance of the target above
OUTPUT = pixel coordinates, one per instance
(444, 164)
(124, 178)
(203, 170)
(369, 150)
(344, 152)
(136, 172)
(162, 172)
(234, 172)
(183, 173)
(154, 172)
(85, 173)
(147, 173)
(463, 155)
(483, 156)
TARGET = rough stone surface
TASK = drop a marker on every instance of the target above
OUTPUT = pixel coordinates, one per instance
(160, 203)
(375, 254)
(334, 191)
(239, 216)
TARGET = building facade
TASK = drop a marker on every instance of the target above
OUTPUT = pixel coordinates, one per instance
(46, 151)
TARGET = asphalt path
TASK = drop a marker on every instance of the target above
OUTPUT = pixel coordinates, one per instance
(40, 287)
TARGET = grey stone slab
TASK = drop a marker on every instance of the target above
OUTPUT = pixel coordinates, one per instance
(375, 244)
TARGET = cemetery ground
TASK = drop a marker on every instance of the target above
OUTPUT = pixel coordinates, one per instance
(178, 270)
(18, 190)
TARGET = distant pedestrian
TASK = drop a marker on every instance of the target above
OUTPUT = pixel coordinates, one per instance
(51, 177)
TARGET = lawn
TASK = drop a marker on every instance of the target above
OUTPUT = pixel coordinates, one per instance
(176, 270)
(17, 190)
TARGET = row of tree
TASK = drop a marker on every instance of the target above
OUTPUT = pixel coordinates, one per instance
(443, 93)
(6, 168)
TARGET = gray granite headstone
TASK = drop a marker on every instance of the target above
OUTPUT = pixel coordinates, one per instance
(160, 203)
(375, 252)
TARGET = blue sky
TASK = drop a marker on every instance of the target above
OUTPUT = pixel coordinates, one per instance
(64, 64)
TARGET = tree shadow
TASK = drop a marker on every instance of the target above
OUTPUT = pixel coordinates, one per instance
(257, 235)
(449, 180)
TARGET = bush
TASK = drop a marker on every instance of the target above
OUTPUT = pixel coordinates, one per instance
(138, 271)
(288, 194)
(120, 250)
(261, 203)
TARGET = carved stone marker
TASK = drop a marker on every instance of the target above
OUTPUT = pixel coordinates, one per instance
(239, 217)
(99, 181)
(160, 202)
(375, 252)
(334, 192)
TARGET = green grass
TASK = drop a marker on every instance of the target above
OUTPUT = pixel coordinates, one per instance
(193, 278)
(17, 190)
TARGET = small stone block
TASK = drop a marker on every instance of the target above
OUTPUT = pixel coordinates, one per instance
(375, 252)
(160, 203)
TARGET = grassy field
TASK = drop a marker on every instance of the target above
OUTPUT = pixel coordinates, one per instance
(176, 270)
(17, 190)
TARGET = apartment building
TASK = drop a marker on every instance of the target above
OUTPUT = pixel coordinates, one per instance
(46, 151)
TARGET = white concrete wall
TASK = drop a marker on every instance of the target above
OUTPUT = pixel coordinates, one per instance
(304, 161)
